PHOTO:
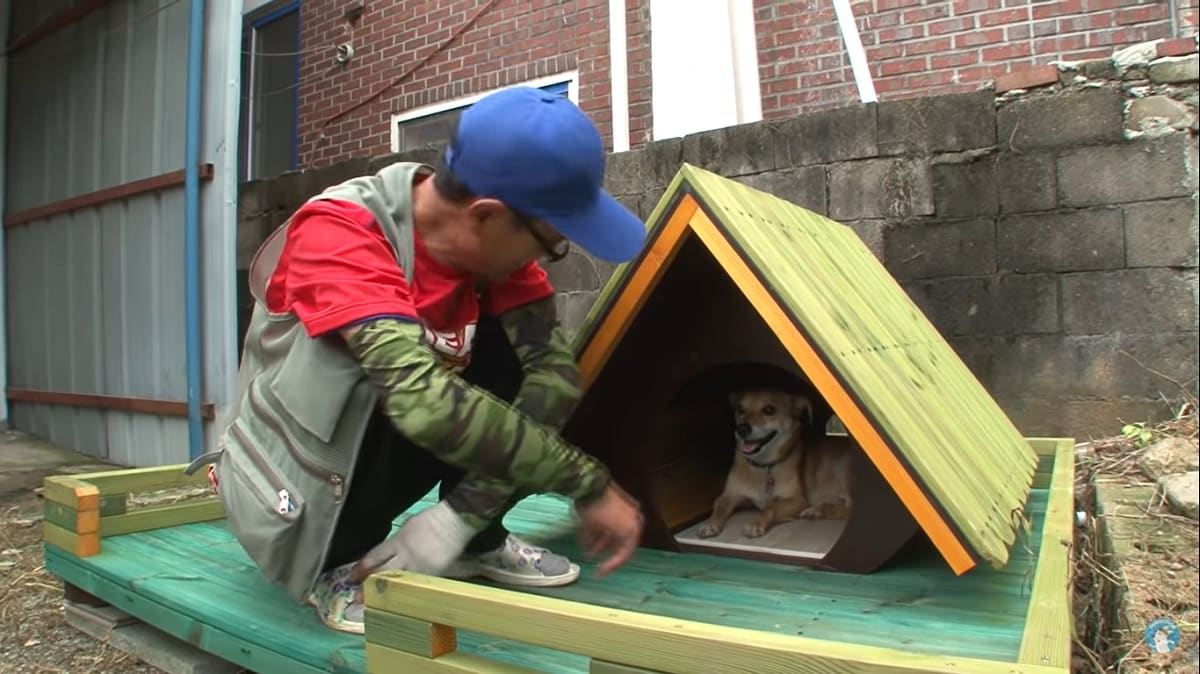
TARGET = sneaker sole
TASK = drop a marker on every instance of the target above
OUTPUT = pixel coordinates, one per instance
(525, 580)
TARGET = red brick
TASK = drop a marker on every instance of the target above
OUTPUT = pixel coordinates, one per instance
(1027, 78)
(1180, 46)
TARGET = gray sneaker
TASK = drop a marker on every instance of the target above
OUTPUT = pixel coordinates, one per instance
(518, 563)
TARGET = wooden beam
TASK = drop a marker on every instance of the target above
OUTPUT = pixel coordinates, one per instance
(1047, 636)
(134, 404)
(384, 660)
(123, 191)
(426, 639)
(162, 517)
(55, 23)
(131, 480)
(634, 639)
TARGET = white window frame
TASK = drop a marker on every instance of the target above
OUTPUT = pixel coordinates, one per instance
(570, 77)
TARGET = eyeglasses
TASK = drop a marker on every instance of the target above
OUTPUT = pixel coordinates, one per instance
(554, 251)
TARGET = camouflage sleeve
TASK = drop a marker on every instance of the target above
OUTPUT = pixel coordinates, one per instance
(504, 451)
(551, 386)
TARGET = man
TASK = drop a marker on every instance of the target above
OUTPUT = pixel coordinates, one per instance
(404, 335)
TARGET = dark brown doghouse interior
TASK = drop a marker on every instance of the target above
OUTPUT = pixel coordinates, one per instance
(658, 415)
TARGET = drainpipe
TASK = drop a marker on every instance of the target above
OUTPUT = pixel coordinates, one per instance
(191, 225)
(4, 8)
(618, 73)
(854, 48)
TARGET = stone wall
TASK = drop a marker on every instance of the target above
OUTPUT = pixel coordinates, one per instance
(1050, 233)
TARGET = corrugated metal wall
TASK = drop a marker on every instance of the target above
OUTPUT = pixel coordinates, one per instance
(96, 295)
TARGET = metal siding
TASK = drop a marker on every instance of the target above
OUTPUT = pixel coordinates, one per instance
(96, 301)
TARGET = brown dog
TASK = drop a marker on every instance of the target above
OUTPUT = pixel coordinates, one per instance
(774, 468)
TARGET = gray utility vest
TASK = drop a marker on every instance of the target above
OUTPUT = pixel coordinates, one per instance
(292, 434)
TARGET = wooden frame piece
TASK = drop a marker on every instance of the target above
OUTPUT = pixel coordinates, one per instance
(135, 404)
(80, 510)
(123, 191)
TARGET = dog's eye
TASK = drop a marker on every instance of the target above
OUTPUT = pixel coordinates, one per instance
(769, 410)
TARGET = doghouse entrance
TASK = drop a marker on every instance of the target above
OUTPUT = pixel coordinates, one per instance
(658, 415)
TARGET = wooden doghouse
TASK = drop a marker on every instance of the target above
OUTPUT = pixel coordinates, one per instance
(738, 287)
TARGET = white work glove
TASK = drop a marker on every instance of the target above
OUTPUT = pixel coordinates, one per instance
(428, 542)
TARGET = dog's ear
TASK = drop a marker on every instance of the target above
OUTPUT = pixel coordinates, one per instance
(733, 399)
(803, 409)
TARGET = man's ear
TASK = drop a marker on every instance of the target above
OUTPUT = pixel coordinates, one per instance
(484, 209)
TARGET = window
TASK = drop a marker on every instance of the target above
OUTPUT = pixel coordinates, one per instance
(270, 90)
(432, 125)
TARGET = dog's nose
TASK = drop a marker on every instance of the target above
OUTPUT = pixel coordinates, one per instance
(742, 430)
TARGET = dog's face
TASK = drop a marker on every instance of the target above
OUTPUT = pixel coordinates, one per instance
(767, 421)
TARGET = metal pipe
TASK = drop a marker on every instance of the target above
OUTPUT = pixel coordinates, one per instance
(191, 225)
(4, 15)
(618, 72)
(858, 57)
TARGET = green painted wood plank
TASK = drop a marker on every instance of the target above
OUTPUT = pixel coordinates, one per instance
(237, 646)
(917, 604)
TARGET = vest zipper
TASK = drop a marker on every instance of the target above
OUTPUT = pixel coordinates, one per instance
(285, 504)
(309, 465)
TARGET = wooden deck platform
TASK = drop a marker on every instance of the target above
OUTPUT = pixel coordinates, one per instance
(193, 581)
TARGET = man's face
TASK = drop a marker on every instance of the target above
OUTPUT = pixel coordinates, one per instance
(503, 240)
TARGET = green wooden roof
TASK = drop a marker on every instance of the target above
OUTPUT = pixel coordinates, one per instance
(934, 425)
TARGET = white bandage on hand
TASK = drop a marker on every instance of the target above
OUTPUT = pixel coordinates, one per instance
(428, 542)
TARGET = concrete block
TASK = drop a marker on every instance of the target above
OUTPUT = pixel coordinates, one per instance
(826, 136)
(1173, 69)
(880, 188)
(1140, 170)
(1157, 115)
(573, 308)
(1090, 239)
(804, 186)
(579, 271)
(1082, 117)
(732, 150)
(253, 198)
(963, 189)
(1065, 367)
(251, 233)
(651, 166)
(1161, 234)
(947, 123)
(1006, 304)
(871, 233)
(1134, 300)
(146, 643)
(932, 250)
(1026, 182)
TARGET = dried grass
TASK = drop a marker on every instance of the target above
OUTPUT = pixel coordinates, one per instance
(1161, 578)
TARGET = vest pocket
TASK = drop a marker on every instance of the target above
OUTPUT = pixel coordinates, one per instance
(313, 386)
(263, 508)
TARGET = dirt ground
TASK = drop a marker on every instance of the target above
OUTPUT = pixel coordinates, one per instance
(34, 635)
(1161, 574)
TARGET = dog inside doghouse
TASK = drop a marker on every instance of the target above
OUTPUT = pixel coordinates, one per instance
(697, 389)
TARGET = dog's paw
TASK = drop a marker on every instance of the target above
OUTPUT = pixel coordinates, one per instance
(754, 529)
(708, 530)
(811, 513)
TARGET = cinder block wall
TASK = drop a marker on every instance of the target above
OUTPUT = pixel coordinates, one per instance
(1051, 235)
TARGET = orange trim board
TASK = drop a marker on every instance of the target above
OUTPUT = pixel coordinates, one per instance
(643, 278)
(947, 543)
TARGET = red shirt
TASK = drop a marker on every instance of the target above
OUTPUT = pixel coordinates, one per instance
(337, 269)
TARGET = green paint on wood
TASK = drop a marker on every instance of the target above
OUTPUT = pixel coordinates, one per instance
(922, 399)
(194, 582)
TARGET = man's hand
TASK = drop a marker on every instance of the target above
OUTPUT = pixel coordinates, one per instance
(428, 542)
(613, 523)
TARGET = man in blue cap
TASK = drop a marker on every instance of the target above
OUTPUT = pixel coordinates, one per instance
(404, 335)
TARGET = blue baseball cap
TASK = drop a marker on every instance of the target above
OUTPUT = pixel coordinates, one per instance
(541, 155)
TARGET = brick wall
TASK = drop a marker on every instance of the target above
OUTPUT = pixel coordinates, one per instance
(1050, 234)
(508, 42)
(922, 47)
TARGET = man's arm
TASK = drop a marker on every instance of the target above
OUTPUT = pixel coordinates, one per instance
(466, 426)
(550, 390)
